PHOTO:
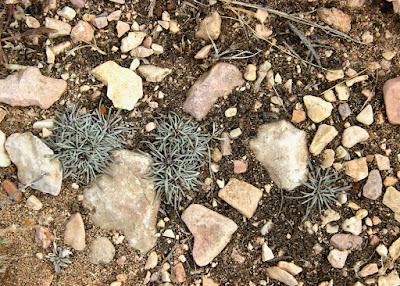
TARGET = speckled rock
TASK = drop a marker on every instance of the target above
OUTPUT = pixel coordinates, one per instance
(102, 251)
(286, 160)
(211, 231)
(373, 187)
(337, 258)
(210, 27)
(345, 241)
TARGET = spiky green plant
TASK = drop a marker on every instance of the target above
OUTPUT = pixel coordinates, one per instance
(59, 257)
(179, 149)
(323, 186)
(83, 142)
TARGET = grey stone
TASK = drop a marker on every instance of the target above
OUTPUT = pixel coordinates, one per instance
(373, 187)
(102, 251)
(345, 241)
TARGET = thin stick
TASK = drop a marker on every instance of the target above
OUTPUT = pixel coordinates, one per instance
(343, 81)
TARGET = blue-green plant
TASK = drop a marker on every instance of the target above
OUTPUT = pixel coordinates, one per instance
(59, 257)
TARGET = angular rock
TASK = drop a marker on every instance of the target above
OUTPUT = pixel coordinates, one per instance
(281, 275)
(219, 81)
(43, 236)
(4, 158)
(100, 22)
(328, 157)
(391, 199)
(343, 91)
(344, 110)
(323, 137)
(352, 225)
(74, 234)
(250, 72)
(78, 3)
(366, 116)
(122, 28)
(333, 75)
(143, 52)
(382, 162)
(152, 261)
(267, 253)
(210, 27)
(67, 13)
(126, 200)
(82, 32)
(62, 28)
(337, 258)
(290, 267)
(287, 156)
(124, 86)
(34, 203)
(133, 40)
(203, 52)
(211, 231)
(394, 249)
(153, 73)
(373, 187)
(354, 135)
(242, 196)
(335, 18)
(369, 269)
(102, 251)
(392, 279)
(344, 241)
(317, 108)
(391, 96)
(30, 88)
(35, 163)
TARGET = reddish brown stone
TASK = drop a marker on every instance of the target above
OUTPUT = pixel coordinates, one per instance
(11, 190)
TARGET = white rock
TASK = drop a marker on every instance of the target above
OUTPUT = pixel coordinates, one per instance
(352, 225)
(317, 108)
(124, 87)
(325, 134)
(34, 160)
(382, 250)
(158, 49)
(32, 22)
(153, 73)
(102, 251)
(62, 29)
(281, 275)
(333, 75)
(34, 203)
(46, 123)
(337, 258)
(267, 253)
(67, 13)
(342, 91)
(366, 116)
(290, 267)
(152, 260)
(134, 64)
(4, 158)
(133, 40)
(354, 135)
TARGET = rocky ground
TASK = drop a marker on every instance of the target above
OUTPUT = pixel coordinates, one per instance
(298, 186)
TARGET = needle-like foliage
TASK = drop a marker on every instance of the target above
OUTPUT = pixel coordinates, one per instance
(179, 149)
(323, 186)
(83, 142)
(59, 257)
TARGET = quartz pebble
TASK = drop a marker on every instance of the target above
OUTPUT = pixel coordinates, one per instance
(317, 108)
(354, 135)
(337, 258)
(325, 134)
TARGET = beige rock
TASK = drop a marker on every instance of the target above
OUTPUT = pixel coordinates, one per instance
(262, 31)
(152, 261)
(357, 169)
(392, 279)
(250, 72)
(211, 231)
(32, 22)
(203, 52)
(124, 87)
(206, 281)
(342, 91)
(82, 32)
(367, 37)
(352, 225)
(261, 15)
(333, 75)
(210, 27)
(102, 251)
(357, 79)
(242, 196)
(335, 18)
(369, 269)
(153, 73)
(325, 134)
(337, 258)
(74, 234)
(355, 3)
(4, 158)
(281, 275)
(382, 162)
(366, 116)
(354, 135)
(290, 267)
(298, 116)
(62, 28)
(133, 40)
(394, 250)
(34, 203)
(328, 157)
(122, 28)
(267, 253)
(67, 13)
(317, 108)
(391, 199)
(141, 52)
(391, 93)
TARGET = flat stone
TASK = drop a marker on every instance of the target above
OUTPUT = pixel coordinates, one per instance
(391, 95)
(391, 199)
(218, 82)
(286, 160)
(62, 28)
(373, 187)
(67, 13)
(210, 27)
(394, 249)
(352, 225)
(100, 22)
(124, 86)
(368, 270)
(335, 18)
(35, 163)
(267, 253)
(102, 251)
(290, 267)
(355, 3)
(126, 200)
(333, 75)
(141, 52)
(342, 91)
(281, 275)
(354, 135)
(30, 88)
(153, 73)
(133, 40)
(382, 162)
(366, 116)
(211, 231)
(34, 203)
(317, 108)
(203, 52)
(242, 196)
(78, 3)
(325, 134)
(337, 258)
(82, 32)
(152, 261)
(74, 234)
(122, 28)
(345, 241)
(32, 22)
(4, 158)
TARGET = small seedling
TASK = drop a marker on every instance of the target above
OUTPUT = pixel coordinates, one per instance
(59, 257)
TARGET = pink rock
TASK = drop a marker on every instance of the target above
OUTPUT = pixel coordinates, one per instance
(373, 187)
(100, 22)
(344, 241)
(239, 166)
(217, 82)
(30, 88)
(43, 236)
(78, 3)
(74, 234)
(82, 32)
(391, 95)
(211, 231)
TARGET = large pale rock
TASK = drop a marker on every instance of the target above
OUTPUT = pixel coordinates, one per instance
(242, 196)
(210, 27)
(354, 135)
(125, 200)
(391, 96)
(219, 81)
(317, 108)
(74, 234)
(4, 158)
(335, 18)
(287, 156)
(357, 169)
(29, 87)
(211, 231)
(281, 275)
(153, 73)
(35, 163)
(124, 86)
(323, 137)
(133, 40)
